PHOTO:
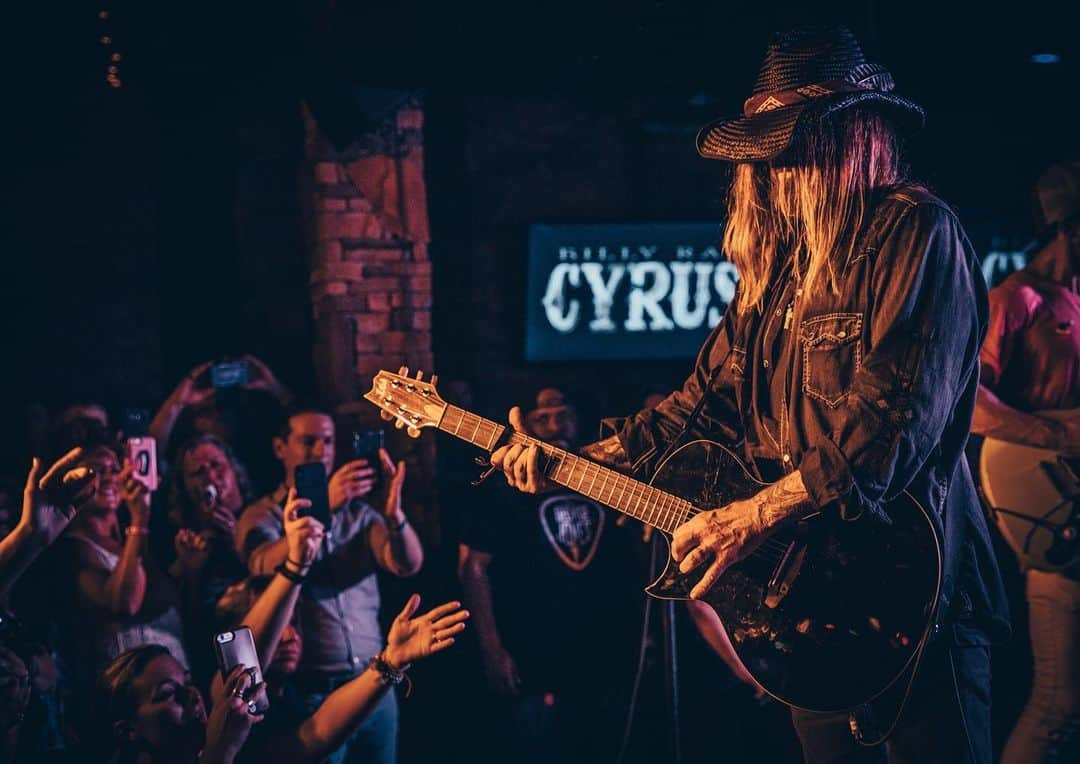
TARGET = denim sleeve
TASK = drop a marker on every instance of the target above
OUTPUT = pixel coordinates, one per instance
(645, 435)
(926, 318)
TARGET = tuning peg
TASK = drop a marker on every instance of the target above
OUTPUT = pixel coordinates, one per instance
(386, 416)
(434, 380)
(398, 424)
(414, 432)
(419, 375)
(403, 371)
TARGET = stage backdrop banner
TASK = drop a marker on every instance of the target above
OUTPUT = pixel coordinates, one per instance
(624, 291)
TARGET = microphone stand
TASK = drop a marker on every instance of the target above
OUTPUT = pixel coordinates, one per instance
(671, 674)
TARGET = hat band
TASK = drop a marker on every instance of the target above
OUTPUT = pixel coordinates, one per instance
(763, 102)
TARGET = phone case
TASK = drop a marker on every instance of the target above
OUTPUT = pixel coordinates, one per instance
(311, 485)
(143, 455)
(235, 648)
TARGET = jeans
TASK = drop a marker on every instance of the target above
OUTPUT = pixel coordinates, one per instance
(934, 727)
(374, 741)
(1051, 718)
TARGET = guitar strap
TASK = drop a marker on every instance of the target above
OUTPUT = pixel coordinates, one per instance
(705, 392)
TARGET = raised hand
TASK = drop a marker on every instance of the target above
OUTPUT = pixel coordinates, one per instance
(262, 378)
(411, 639)
(217, 516)
(304, 535)
(352, 480)
(50, 501)
(395, 475)
(187, 392)
(192, 550)
(135, 495)
(231, 718)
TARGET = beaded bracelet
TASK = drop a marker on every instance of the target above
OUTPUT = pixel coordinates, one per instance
(136, 530)
(389, 674)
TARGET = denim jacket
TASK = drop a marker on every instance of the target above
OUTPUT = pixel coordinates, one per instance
(880, 398)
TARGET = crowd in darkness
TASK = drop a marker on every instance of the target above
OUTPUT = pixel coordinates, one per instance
(115, 583)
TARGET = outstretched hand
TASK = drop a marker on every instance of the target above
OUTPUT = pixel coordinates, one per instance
(411, 639)
(50, 501)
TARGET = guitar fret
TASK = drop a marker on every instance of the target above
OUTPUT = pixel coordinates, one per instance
(491, 441)
(589, 492)
(479, 421)
(460, 421)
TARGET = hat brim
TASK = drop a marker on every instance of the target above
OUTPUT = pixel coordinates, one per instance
(764, 136)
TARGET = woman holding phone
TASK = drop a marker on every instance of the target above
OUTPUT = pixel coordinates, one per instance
(156, 713)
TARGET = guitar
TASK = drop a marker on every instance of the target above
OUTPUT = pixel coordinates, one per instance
(825, 616)
(1034, 496)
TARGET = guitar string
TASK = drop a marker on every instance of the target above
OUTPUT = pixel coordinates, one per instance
(771, 549)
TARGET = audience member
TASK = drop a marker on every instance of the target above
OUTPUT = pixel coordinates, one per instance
(120, 599)
(545, 576)
(47, 509)
(157, 714)
(340, 607)
(208, 488)
(293, 733)
(233, 413)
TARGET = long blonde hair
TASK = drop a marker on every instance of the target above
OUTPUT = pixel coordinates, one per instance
(810, 204)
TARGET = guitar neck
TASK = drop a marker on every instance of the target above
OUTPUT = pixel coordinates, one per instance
(631, 497)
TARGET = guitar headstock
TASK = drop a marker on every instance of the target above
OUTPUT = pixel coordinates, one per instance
(408, 402)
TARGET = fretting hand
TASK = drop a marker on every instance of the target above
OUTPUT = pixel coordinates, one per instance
(521, 464)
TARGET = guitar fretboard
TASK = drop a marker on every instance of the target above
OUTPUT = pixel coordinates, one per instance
(631, 497)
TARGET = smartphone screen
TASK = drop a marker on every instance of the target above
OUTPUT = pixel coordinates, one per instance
(142, 451)
(229, 374)
(311, 485)
(237, 648)
(366, 445)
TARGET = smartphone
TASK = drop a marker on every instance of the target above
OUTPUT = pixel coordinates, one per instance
(142, 451)
(366, 445)
(229, 374)
(310, 482)
(236, 648)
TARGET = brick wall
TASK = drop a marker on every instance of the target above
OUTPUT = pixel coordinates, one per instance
(370, 280)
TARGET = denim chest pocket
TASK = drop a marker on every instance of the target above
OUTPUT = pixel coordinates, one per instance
(832, 353)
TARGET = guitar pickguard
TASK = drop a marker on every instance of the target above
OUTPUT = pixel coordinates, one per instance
(858, 600)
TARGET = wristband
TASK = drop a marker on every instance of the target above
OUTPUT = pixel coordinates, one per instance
(399, 526)
(389, 675)
(296, 578)
(299, 565)
(136, 530)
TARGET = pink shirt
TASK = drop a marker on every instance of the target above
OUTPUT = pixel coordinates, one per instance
(1031, 356)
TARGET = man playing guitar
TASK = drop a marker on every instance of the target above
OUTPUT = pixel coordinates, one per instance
(1031, 365)
(846, 370)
